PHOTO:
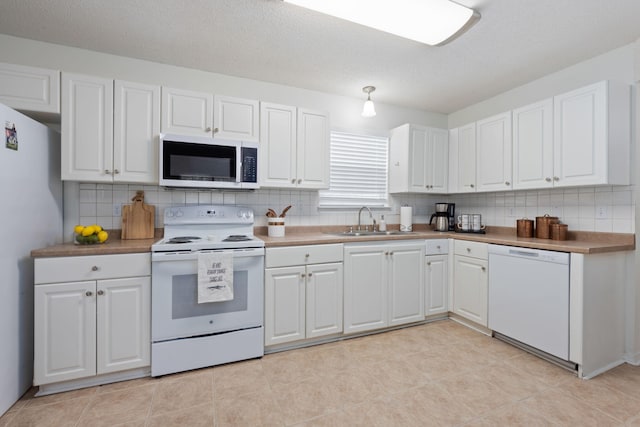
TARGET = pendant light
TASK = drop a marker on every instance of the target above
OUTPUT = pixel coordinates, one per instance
(368, 110)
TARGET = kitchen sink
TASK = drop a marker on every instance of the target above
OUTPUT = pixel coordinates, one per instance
(369, 233)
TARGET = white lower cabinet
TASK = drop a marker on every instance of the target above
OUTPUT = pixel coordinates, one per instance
(470, 288)
(94, 326)
(303, 301)
(384, 285)
(436, 277)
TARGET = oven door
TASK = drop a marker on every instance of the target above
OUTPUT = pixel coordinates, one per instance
(175, 311)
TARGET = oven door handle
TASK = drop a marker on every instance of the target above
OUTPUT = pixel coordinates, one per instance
(187, 256)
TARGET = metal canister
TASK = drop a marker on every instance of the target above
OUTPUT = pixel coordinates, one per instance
(524, 227)
(558, 231)
(542, 226)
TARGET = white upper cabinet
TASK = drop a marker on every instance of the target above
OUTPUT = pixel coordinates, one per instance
(187, 112)
(30, 88)
(87, 128)
(294, 147)
(237, 118)
(466, 164)
(533, 146)
(592, 135)
(493, 153)
(136, 116)
(107, 135)
(418, 160)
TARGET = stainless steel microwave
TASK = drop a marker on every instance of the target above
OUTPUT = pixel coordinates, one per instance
(201, 162)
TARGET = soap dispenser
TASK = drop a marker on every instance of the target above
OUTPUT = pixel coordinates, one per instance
(382, 225)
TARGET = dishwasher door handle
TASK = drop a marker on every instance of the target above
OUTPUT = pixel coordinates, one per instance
(524, 253)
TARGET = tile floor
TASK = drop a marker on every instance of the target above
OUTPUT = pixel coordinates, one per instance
(440, 373)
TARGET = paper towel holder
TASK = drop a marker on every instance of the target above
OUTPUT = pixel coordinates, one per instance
(406, 218)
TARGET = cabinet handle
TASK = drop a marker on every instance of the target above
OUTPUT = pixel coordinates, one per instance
(547, 179)
(429, 263)
(95, 268)
(299, 181)
(438, 246)
(100, 292)
(303, 275)
(391, 253)
(306, 255)
(107, 172)
(483, 268)
(88, 293)
(555, 178)
(215, 130)
(386, 253)
(468, 250)
(507, 183)
(309, 275)
(293, 181)
(116, 171)
(472, 186)
(208, 129)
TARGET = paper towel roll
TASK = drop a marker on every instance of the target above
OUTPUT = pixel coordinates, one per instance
(406, 218)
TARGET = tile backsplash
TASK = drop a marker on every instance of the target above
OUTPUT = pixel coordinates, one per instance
(608, 209)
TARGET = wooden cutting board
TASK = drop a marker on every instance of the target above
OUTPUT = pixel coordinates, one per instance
(138, 219)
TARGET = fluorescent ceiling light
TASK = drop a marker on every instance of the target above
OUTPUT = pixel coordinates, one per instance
(432, 22)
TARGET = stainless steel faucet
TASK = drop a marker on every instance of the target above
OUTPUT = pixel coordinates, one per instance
(370, 216)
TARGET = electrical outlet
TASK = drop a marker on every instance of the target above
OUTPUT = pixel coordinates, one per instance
(117, 210)
(511, 212)
(601, 212)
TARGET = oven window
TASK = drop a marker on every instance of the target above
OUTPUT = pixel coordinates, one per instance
(200, 162)
(185, 297)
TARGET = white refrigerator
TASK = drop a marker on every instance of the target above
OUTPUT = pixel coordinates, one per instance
(30, 218)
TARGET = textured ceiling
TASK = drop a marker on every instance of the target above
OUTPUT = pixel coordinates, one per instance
(514, 42)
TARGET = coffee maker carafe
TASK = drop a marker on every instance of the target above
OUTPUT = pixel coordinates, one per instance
(441, 216)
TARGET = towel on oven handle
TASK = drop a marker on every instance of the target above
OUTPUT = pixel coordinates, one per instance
(215, 276)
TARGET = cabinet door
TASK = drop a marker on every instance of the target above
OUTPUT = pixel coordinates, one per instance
(406, 284)
(237, 118)
(418, 153)
(365, 289)
(87, 128)
(29, 88)
(493, 153)
(580, 136)
(64, 332)
(187, 112)
(437, 162)
(533, 146)
(436, 289)
(324, 299)
(470, 289)
(278, 147)
(136, 120)
(467, 158)
(284, 305)
(312, 169)
(123, 324)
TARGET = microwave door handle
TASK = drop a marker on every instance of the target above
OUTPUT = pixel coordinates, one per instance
(239, 164)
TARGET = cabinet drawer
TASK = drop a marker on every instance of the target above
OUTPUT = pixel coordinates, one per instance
(472, 249)
(437, 247)
(75, 269)
(299, 255)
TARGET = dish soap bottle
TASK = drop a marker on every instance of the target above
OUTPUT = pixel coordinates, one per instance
(382, 225)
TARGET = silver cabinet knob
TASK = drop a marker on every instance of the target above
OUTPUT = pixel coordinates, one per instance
(215, 130)
(303, 275)
(547, 179)
(95, 268)
(306, 255)
(468, 250)
(100, 292)
(507, 183)
(293, 181)
(391, 253)
(299, 181)
(107, 172)
(386, 253)
(88, 293)
(116, 171)
(555, 178)
(429, 263)
(483, 268)
(208, 129)
(472, 186)
(310, 274)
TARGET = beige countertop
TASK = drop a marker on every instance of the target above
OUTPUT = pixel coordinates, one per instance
(578, 242)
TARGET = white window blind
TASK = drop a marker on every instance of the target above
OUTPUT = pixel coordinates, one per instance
(358, 171)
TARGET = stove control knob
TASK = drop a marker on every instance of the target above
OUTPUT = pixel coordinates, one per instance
(179, 213)
(169, 213)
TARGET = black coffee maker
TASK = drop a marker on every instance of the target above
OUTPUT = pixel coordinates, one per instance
(445, 217)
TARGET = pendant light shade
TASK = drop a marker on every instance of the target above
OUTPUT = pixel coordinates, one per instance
(368, 110)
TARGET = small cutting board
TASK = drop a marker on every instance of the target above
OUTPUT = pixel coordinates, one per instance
(138, 219)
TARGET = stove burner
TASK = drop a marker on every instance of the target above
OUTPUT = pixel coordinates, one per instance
(183, 239)
(237, 238)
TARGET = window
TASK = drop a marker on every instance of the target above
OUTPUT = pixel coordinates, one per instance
(358, 171)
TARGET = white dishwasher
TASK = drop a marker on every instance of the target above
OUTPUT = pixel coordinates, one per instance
(529, 297)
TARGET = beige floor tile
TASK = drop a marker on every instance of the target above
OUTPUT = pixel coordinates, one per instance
(395, 376)
(183, 393)
(475, 393)
(514, 415)
(258, 409)
(288, 367)
(195, 416)
(434, 365)
(625, 378)
(237, 379)
(599, 395)
(123, 385)
(120, 406)
(305, 400)
(64, 413)
(24, 399)
(434, 405)
(354, 386)
(633, 423)
(60, 397)
(561, 408)
(7, 418)
(548, 373)
(494, 347)
(517, 383)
